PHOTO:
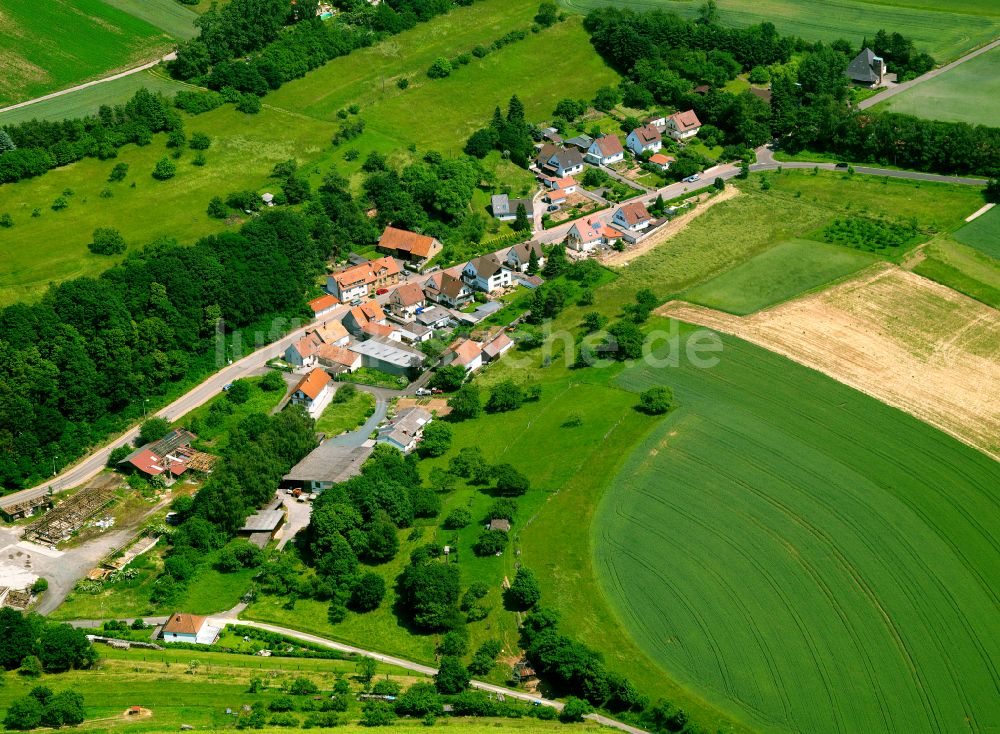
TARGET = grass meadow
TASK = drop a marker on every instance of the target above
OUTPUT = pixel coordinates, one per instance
(786, 270)
(52, 45)
(346, 416)
(944, 30)
(962, 268)
(803, 556)
(983, 233)
(968, 93)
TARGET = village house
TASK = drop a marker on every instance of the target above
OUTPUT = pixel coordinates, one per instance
(304, 352)
(866, 69)
(566, 183)
(632, 217)
(605, 150)
(389, 356)
(314, 392)
(556, 196)
(414, 248)
(189, 628)
(496, 346)
(590, 233)
(405, 301)
(661, 161)
(556, 161)
(367, 313)
(359, 280)
(645, 139)
(519, 256)
(336, 359)
(405, 430)
(505, 209)
(465, 353)
(683, 125)
(323, 306)
(487, 273)
(448, 289)
(435, 317)
(411, 332)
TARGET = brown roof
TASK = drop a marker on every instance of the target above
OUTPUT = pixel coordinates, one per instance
(367, 272)
(647, 134)
(487, 265)
(374, 329)
(524, 250)
(400, 239)
(635, 212)
(322, 303)
(685, 121)
(331, 332)
(337, 355)
(184, 624)
(466, 351)
(408, 294)
(312, 384)
(609, 145)
(501, 342)
(661, 159)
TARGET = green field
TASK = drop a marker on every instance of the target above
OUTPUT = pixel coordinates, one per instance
(804, 556)
(936, 28)
(346, 416)
(962, 268)
(968, 93)
(788, 269)
(52, 45)
(169, 16)
(983, 233)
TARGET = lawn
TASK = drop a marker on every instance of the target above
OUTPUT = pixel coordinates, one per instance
(983, 233)
(244, 150)
(346, 416)
(803, 556)
(788, 269)
(213, 427)
(935, 27)
(52, 45)
(968, 93)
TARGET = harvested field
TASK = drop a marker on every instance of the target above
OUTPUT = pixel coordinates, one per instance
(901, 338)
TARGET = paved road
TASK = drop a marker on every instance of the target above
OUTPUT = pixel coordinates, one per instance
(169, 57)
(897, 88)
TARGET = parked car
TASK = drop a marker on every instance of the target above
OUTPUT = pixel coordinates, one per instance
(227, 388)
(436, 391)
(356, 302)
(841, 165)
(421, 391)
(381, 291)
(692, 178)
(552, 208)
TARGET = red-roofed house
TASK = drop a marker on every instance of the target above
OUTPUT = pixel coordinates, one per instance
(464, 353)
(359, 280)
(632, 217)
(406, 300)
(661, 161)
(313, 392)
(323, 306)
(496, 346)
(605, 150)
(556, 196)
(357, 317)
(337, 359)
(189, 628)
(566, 183)
(590, 233)
(683, 125)
(645, 139)
(409, 246)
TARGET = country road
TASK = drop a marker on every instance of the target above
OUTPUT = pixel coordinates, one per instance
(898, 88)
(149, 65)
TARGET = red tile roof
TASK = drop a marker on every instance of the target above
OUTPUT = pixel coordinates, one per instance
(466, 351)
(312, 384)
(184, 624)
(323, 303)
(609, 145)
(408, 294)
(411, 242)
(661, 159)
(373, 329)
(635, 212)
(684, 121)
(647, 134)
(338, 355)
(367, 273)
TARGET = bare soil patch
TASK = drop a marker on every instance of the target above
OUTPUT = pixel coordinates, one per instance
(674, 226)
(438, 406)
(905, 340)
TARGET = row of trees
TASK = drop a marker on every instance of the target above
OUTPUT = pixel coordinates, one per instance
(34, 645)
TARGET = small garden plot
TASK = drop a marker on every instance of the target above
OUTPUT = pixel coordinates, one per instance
(870, 234)
(577, 205)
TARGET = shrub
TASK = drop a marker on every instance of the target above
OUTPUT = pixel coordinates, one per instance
(238, 392)
(118, 173)
(248, 103)
(402, 82)
(440, 68)
(59, 204)
(107, 241)
(574, 710)
(505, 395)
(164, 169)
(302, 686)
(6, 221)
(490, 543)
(455, 643)
(656, 400)
(457, 519)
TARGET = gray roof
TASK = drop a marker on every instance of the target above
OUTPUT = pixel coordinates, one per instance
(432, 315)
(264, 521)
(390, 352)
(407, 424)
(329, 463)
(580, 141)
(500, 204)
(487, 265)
(860, 69)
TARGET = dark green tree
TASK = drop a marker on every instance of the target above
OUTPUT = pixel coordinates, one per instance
(452, 677)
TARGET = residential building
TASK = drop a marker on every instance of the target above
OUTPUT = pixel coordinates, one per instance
(605, 150)
(448, 289)
(566, 183)
(369, 312)
(866, 69)
(464, 353)
(388, 356)
(409, 246)
(190, 628)
(580, 142)
(313, 392)
(557, 161)
(683, 125)
(556, 196)
(632, 217)
(405, 301)
(590, 233)
(261, 527)
(323, 306)
(336, 359)
(495, 347)
(505, 209)
(358, 281)
(487, 273)
(661, 161)
(304, 351)
(645, 139)
(411, 332)
(405, 430)
(434, 317)
(328, 464)
(519, 256)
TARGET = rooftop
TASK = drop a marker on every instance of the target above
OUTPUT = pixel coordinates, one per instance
(312, 384)
(391, 353)
(184, 624)
(405, 241)
(329, 462)
(264, 521)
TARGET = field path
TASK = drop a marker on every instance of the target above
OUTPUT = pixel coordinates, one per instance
(149, 65)
(905, 340)
(898, 88)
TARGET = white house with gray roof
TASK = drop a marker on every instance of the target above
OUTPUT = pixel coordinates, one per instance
(488, 273)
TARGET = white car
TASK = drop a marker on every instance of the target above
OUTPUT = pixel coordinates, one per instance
(422, 391)
(692, 178)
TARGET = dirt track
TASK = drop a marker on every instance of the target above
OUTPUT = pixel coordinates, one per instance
(891, 334)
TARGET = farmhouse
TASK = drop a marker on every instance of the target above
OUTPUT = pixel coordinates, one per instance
(556, 161)
(556, 196)
(645, 139)
(505, 209)
(189, 628)
(387, 356)
(605, 150)
(632, 217)
(867, 69)
(357, 281)
(590, 233)
(261, 527)
(328, 464)
(683, 125)
(323, 306)
(447, 289)
(409, 246)
(313, 392)
(487, 273)
(405, 430)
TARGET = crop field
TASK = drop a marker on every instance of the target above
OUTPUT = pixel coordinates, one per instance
(968, 93)
(243, 152)
(804, 556)
(937, 28)
(169, 16)
(983, 233)
(51, 45)
(962, 268)
(786, 270)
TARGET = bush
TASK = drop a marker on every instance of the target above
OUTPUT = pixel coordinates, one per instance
(59, 204)
(164, 169)
(40, 586)
(455, 643)
(281, 703)
(440, 68)
(457, 519)
(490, 543)
(302, 686)
(200, 141)
(239, 392)
(420, 699)
(107, 241)
(506, 395)
(574, 710)
(274, 382)
(656, 400)
(402, 82)
(248, 103)
(239, 554)
(118, 173)
(377, 713)
(6, 221)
